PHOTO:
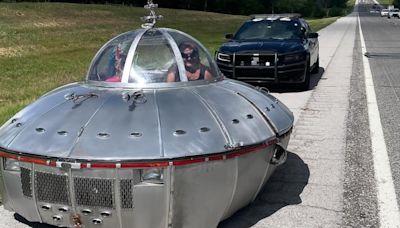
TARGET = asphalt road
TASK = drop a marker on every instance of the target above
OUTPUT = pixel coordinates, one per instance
(329, 179)
(382, 39)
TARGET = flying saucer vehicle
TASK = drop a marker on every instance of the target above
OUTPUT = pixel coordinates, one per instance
(155, 137)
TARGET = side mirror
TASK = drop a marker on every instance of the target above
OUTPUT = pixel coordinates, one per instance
(229, 36)
(302, 31)
(313, 35)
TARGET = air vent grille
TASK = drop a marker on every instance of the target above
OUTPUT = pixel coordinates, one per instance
(94, 192)
(26, 182)
(52, 188)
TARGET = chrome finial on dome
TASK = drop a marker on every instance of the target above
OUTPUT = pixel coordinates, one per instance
(150, 20)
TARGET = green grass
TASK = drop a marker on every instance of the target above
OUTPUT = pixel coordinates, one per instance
(317, 24)
(385, 2)
(350, 6)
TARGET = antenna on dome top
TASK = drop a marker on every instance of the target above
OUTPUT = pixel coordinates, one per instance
(151, 20)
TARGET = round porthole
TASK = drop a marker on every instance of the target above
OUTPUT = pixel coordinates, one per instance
(179, 132)
(62, 133)
(135, 134)
(103, 135)
(249, 116)
(204, 129)
(40, 130)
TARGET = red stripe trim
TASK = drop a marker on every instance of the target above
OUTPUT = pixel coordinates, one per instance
(216, 158)
(6, 155)
(53, 163)
(144, 165)
(33, 160)
(189, 161)
(103, 165)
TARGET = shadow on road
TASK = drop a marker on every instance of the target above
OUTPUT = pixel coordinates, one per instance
(283, 189)
(315, 78)
(21, 219)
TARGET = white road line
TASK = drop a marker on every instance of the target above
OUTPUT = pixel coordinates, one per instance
(389, 215)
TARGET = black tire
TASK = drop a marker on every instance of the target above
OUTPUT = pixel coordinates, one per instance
(306, 84)
(315, 70)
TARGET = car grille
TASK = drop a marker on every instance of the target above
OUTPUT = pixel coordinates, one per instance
(265, 69)
(95, 192)
(255, 73)
(255, 60)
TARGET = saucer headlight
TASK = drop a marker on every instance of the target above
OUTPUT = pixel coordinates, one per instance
(11, 164)
(155, 175)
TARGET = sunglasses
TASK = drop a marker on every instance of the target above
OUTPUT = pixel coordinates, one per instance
(192, 55)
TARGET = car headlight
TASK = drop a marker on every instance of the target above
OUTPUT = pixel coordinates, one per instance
(223, 57)
(155, 175)
(294, 58)
(11, 164)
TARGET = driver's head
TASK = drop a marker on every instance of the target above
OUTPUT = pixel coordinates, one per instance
(190, 55)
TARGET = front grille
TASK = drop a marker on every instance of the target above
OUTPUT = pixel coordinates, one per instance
(94, 192)
(254, 60)
(255, 73)
(126, 191)
(52, 188)
(26, 182)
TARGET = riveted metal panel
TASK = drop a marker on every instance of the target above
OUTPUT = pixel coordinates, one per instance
(13, 196)
(188, 126)
(61, 126)
(251, 171)
(205, 190)
(52, 188)
(130, 130)
(150, 208)
(242, 120)
(23, 118)
(279, 116)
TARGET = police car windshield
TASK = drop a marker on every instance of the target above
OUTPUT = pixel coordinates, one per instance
(269, 29)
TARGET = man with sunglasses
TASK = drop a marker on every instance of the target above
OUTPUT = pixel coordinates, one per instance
(191, 59)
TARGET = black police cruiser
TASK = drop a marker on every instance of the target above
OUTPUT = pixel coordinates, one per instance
(271, 49)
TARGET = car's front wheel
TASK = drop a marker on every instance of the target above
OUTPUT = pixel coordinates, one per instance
(315, 69)
(306, 84)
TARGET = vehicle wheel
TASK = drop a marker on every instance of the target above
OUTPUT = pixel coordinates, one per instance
(315, 70)
(306, 84)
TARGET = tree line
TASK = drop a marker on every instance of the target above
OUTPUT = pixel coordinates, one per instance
(307, 8)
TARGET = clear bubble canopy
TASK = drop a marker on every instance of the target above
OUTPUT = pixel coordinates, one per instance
(155, 55)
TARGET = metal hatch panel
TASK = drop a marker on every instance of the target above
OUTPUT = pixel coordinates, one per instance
(280, 117)
(188, 127)
(19, 121)
(122, 130)
(242, 120)
(54, 132)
